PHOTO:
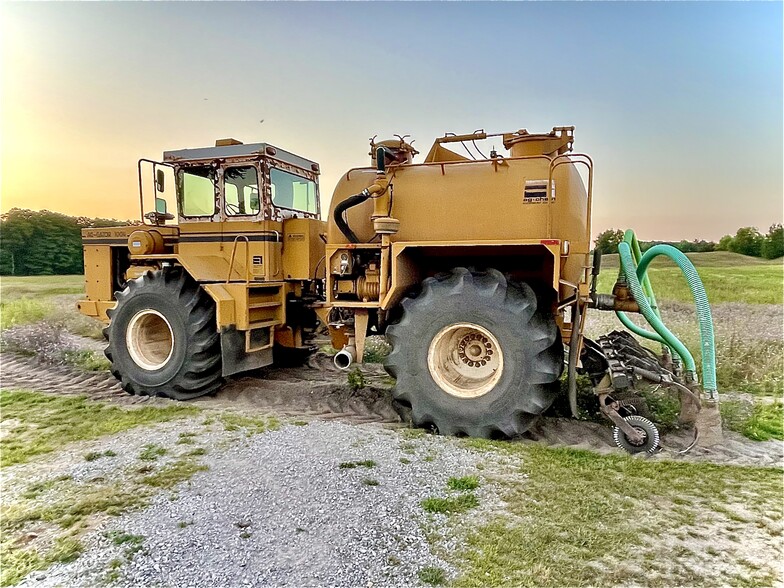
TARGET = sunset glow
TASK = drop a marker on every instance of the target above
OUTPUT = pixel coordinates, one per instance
(680, 104)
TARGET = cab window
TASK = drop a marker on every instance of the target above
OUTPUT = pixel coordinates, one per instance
(197, 191)
(241, 191)
(293, 192)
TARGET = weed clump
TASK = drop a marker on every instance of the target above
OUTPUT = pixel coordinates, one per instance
(464, 483)
(356, 381)
(93, 455)
(350, 465)
(151, 452)
(432, 576)
(451, 505)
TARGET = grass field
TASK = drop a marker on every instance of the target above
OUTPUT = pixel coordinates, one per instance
(29, 299)
(728, 277)
(581, 519)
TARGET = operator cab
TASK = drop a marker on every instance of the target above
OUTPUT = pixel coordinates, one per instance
(236, 182)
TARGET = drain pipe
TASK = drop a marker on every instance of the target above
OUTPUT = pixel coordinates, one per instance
(346, 356)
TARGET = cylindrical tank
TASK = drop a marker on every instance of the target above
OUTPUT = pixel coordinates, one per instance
(498, 199)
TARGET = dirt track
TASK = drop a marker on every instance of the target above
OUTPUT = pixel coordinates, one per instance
(316, 390)
(319, 391)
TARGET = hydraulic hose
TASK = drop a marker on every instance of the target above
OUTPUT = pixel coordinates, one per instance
(634, 268)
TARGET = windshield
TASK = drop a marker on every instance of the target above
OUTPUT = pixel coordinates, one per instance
(293, 192)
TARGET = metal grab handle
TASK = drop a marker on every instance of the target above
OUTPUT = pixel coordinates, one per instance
(234, 252)
(574, 159)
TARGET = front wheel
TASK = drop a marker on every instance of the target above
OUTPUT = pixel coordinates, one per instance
(163, 338)
(472, 355)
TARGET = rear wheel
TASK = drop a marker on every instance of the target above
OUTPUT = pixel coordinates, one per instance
(472, 355)
(163, 338)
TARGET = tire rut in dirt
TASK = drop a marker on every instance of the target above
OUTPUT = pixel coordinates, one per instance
(315, 390)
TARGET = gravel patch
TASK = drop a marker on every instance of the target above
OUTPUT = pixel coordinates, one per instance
(277, 509)
(72, 462)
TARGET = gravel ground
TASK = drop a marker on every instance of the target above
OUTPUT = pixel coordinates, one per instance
(276, 509)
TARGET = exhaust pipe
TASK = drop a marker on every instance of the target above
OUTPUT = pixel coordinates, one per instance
(345, 357)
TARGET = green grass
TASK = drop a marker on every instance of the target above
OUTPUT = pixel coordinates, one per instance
(23, 311)
(44, 423)
(728, 277)
(579, 519)
(760, 422)
(370, 482)
(349, 465)
(464, 483)
(432, 576)
(70, 509)
(87, 359)
(451, 505)
(252, 425)
(133, 543)
(17, 563)
(28, 300)
(174, 473)
(12, 287)
(151, 452)
(93, 455)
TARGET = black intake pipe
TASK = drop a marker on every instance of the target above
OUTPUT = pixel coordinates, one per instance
(352, 201)
(340, 222)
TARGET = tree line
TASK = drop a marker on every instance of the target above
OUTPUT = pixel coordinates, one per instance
(746, 241)
(38, 243)
(35, 243)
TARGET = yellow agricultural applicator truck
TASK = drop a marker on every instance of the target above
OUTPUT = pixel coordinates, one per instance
(476, 269)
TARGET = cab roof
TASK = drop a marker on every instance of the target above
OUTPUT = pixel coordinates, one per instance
(240, 150)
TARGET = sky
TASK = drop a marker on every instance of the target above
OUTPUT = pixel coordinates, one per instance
(679, 104)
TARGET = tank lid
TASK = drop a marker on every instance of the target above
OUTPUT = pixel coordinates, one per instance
(557, 141)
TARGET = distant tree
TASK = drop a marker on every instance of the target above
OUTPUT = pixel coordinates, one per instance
(747, 241)
(724, 243)
(773, 245)
(43, 242)
(607, 241)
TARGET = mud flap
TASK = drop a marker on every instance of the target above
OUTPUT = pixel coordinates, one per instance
(235, 358)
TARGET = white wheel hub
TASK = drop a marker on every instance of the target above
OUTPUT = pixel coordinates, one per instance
(465, 360)
(149, 339)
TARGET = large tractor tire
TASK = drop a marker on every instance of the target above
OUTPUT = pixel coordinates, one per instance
(472, 355)
(162, 337)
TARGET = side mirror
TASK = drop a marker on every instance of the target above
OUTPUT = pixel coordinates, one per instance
(160, 205)
(160, 182)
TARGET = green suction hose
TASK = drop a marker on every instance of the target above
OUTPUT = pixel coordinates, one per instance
(704, 317)
(634, 267)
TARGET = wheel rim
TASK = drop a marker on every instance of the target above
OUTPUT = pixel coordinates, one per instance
(644, 435)
(465, 360)
(149, 339)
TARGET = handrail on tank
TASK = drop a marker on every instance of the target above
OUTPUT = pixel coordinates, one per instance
(234, 252)
(141, 186)
(395, 167)
(566, 158)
